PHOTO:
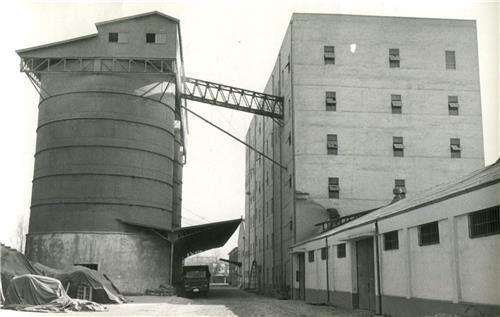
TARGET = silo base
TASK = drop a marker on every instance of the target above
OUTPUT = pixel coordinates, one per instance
(133, 261)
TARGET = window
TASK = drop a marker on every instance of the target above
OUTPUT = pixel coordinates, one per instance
(428, 233)
(450, 60)
(91, 266)
(391, 241)
(291, 224)
(341, 250)
(158, 38)
(397, 146)
(290, 181)
(485, 222)
(113, 37)
(329, 54)
(396, 104)
(289, 140)
(394, 58)
(118, 37)
(324, 253)
(453, 105)
(399, 188)
(310, 256)
(84, 292)
(455, 149)
(333, 187)
(331, 144)
(331, 101)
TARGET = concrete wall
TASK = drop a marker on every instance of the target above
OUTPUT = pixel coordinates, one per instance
(457, 275)
(133, 261)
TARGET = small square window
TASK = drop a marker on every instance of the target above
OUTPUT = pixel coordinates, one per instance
(329, 54)
(450, 60)
(453, 105)
(394, 58)
(399, 188)
(391, 241)
(485, 222)
(396, 103)
(331, 101)
(455, 149)
(333, 187)
(310, 256)
(428, 233)
(160, 38)
(150, 37)
(113, 37)
(331, 144)
(397, 146)
(341, 250)
(324, 253)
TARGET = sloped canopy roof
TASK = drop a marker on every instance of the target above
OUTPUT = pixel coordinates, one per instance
(141, 15)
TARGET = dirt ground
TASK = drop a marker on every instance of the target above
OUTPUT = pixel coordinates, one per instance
(221, 301)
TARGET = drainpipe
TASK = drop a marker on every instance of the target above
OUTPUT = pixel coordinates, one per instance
(327, 278)
(377, 255)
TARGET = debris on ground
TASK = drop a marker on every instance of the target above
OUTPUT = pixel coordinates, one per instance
(162, 291)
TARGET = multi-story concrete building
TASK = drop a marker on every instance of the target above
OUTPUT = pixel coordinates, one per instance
(373, 106)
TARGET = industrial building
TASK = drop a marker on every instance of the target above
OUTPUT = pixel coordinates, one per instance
(436, 252)
(373, 107)
(110, 149)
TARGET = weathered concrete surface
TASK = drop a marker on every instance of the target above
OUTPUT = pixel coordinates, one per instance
(133, 261)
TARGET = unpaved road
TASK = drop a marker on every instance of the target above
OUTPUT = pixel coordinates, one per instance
(222, 301)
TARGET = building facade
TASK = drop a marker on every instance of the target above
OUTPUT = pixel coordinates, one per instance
(435, 253)
(372, 106)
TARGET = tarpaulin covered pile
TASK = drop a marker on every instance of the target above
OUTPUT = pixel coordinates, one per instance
(103, 290)
(13, 263)
(37, 293)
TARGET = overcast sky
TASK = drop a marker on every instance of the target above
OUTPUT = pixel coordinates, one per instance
(231, 42)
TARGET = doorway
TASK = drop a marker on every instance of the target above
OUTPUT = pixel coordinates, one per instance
(301, 276)
(366, 273)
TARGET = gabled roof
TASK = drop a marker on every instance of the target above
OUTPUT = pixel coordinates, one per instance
(483, 177)
(138, 16)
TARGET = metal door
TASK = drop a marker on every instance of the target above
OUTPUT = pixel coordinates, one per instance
(366, 274)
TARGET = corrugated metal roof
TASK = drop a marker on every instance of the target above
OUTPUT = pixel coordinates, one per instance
(483, 177)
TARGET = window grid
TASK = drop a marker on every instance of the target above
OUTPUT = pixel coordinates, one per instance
(394, 58)
(331, 101)
(455, 149)
(428, 233)
(397, 146)
(341, 251)
(333, 187)
(329, 54)
(396, 104)
(310, 256)
(331, 144)
(484, 222)
(324, 253)
(400, 187)
(391, 240)
(453, 105)
(113, 37)
(450, 60)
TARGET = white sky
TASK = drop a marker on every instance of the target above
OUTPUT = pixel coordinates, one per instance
(231, 42)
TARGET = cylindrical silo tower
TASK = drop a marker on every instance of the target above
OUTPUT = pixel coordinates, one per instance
(109, 152)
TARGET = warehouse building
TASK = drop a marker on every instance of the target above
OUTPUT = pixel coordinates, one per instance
(110, 149)
(436, 252)
(372, 106)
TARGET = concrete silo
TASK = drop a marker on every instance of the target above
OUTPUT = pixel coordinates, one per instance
(109, 152)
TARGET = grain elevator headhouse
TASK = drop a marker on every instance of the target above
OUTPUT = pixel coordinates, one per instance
(107, 182)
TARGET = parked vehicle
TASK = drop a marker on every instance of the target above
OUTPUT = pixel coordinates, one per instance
(196, 279)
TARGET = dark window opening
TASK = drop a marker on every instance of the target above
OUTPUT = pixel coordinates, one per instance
(397, 146)
(341, 250)
(455, 149)
(91, 266)
(428, 233)
(484, 222)
(329, 56)
(394, 58)
(84, 292)
(331, 101)
(396, 104)
(324, 253)
(391, 241)
(453, 105)
(113, 37)
(450, 60)
(333, 187)
(331, 144)
(399, 188)
(310, 256)
(150, 37)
